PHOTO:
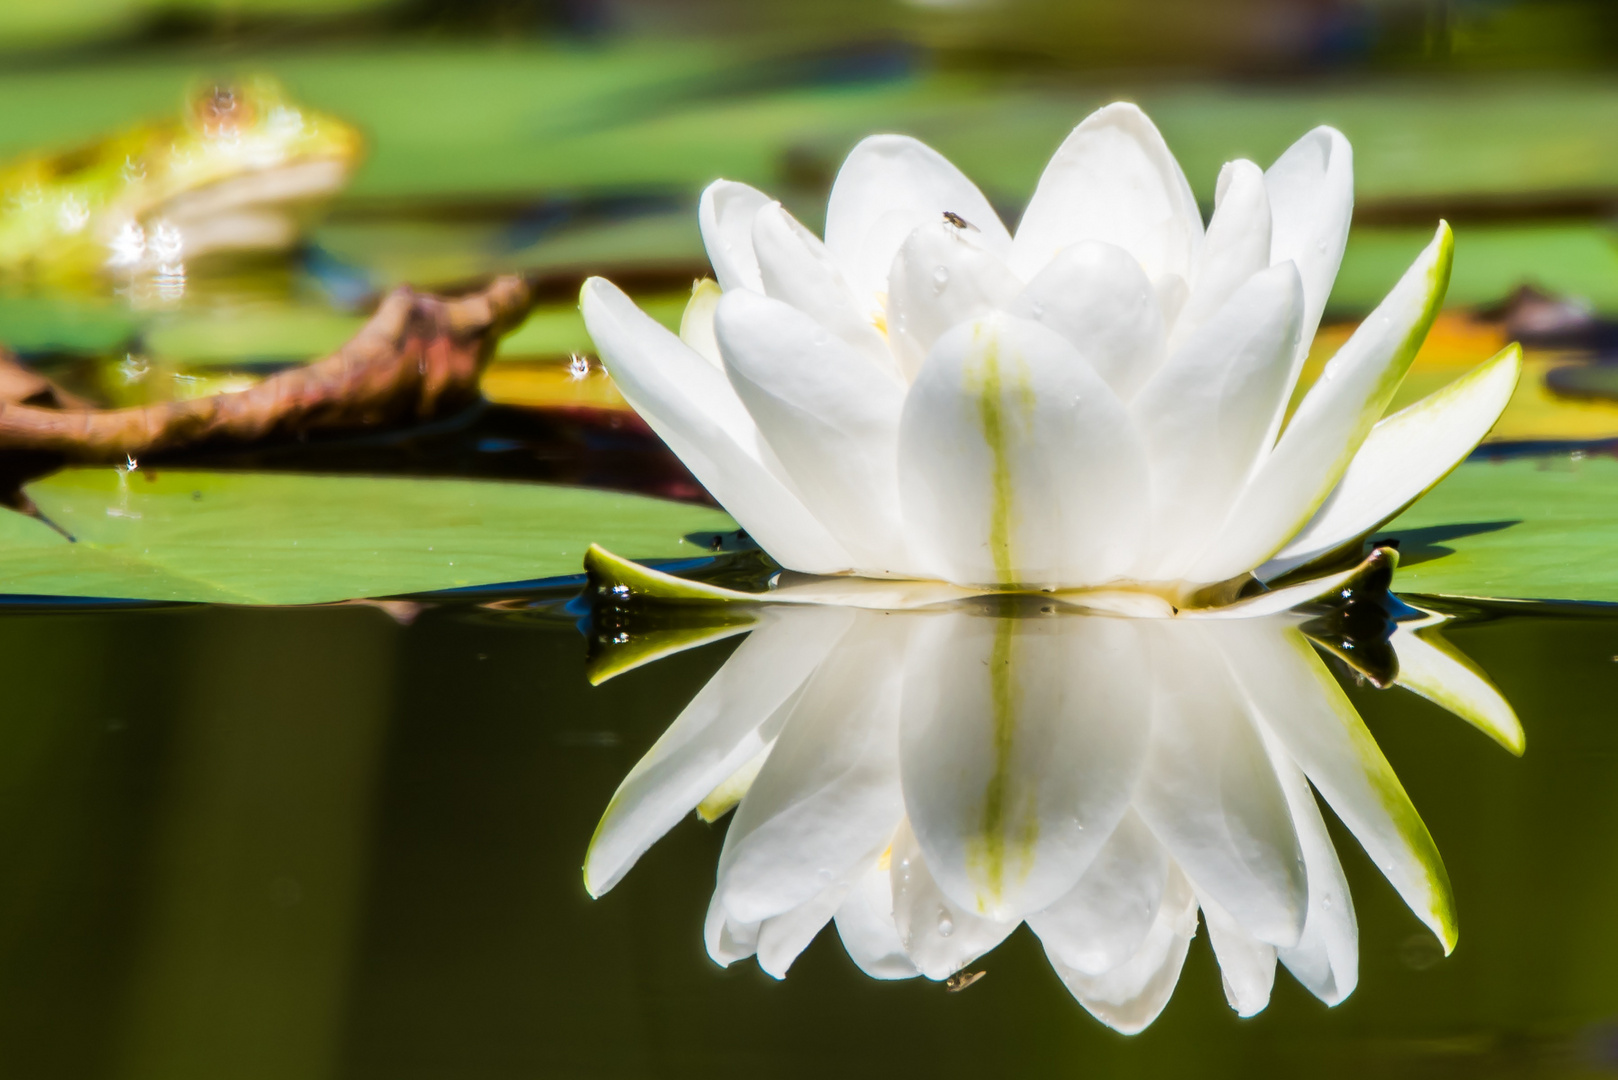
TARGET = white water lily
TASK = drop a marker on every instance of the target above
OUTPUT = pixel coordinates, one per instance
(1099, 401)
(930, 780)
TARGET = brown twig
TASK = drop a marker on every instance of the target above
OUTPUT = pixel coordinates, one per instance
(419, 357)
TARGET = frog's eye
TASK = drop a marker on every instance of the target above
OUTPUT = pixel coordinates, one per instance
(223, 110)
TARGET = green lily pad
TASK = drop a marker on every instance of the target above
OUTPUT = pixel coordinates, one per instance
(266, 538)
(1575, 259)
(1534, 528)
(50, 323)
(558, 329)
(272, 334)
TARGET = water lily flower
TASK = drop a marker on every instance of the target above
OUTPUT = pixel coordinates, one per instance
(1099, 400)
(930, 780)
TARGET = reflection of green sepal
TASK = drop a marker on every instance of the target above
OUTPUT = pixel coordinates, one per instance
(619, 580)
(678, 614)
(1432, 668)
(1377, 665)
(612, 655)
(1359, 618)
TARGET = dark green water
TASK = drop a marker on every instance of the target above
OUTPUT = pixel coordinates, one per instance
(319, 843)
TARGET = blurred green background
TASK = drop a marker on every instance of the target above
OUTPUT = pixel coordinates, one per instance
(569, 137)
(576, 135)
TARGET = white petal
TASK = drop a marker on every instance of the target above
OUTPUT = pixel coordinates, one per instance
(723, 727)
(1403, 458)
(693, 409)
(827, 800)
(1017, 463)
(865, 923)
(655, 366)
(872, 594)
(889, 185)
(1430, 667)
(1020, 742)
(781, 939)
(942, 276)
(830, 416)
(696, 321)
(725, 216)
(1113, 179)
(1097, 296)
(1209, 793)
(1326, 959)
(1129, 997)
(939, 937)
(1105, 918)
(1311, 194)
(796, 267)
(1172, 295)
(1332, 421)
(1246, 964)
(1203, 416)
(733, 788)
(1130, 603)
(1237, 247)
(727, 940)
(1300, 702)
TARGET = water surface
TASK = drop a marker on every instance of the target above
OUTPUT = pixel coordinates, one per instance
(322, 842)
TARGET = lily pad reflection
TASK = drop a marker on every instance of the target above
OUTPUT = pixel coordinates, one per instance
(928, 780)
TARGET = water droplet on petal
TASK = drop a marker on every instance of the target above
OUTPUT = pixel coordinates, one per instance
(1039, 311)
(940, 279)
(946, 925)
(1325, 902)
(1321, 247)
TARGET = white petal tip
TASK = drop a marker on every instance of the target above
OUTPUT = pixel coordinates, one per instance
(596, 883)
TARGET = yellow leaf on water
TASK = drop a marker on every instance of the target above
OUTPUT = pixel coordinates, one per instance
(1460, 342)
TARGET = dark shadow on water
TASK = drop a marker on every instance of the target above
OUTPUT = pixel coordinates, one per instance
(1425, 544)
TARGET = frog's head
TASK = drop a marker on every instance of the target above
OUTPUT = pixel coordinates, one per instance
(242, 171)
(248, 168)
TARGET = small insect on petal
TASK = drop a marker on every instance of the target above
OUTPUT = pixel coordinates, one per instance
(961, 980)
(952, 218)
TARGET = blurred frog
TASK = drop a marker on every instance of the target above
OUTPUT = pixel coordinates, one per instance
(243, 171)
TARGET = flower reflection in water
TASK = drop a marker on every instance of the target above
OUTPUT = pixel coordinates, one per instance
(929, 779)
